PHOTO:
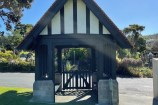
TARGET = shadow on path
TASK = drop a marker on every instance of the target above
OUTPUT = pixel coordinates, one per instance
(78, 97)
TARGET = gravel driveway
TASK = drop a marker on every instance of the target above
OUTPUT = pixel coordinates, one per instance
(133, 91)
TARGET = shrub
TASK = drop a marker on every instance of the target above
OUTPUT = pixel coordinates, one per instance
(133, 68)
(17, 67)
(68, 66)
(132, 62)
(123, 71)
(124, 53)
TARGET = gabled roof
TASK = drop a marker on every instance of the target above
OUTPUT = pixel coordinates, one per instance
(57, 5)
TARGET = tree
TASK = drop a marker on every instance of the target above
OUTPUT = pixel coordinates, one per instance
(80, 54)
(10, 42)
(11, 11)
(23, 29)
(133, 33)
(141, 44)
(155, 46)
(13, 39)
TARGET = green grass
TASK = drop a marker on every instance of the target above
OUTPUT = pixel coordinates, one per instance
(21, 96)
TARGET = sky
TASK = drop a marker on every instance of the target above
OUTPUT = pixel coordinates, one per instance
(122, 12)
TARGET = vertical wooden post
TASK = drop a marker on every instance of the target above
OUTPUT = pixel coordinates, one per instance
(113, 61)
(50, 62)
(100, 62)
(37, 70)
(107, 61)
(51, 65)
(110, 60)
(93, 62)
(59, 54)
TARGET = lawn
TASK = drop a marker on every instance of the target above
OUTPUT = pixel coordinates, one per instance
(21, 96)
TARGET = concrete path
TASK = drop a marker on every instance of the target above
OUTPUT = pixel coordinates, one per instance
(134, 91)
(24, 80)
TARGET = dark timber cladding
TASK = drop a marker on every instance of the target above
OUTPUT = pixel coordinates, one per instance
(75, 16)
(87, 20)
(49, 29)
(62, 20)
(100, 28)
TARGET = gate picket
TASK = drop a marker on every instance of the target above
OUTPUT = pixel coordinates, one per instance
(76, 80)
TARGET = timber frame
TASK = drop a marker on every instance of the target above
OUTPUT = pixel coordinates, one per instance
(90, 5)
(99, 33)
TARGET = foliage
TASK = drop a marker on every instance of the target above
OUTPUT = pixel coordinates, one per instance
(136, 55)
(10, 42)
(23, 29)
(10, 62)
(133, 32)
(8, 55)
(21, 66)
(141, 43)
(130, 67)
(155, 46)
(78, 53)
(122, 53)
(68, 66)
(13, 39)
(142, 72)
(11, 11)
(117, 58)
(132, 62)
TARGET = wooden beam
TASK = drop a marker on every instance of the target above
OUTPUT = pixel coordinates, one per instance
(100, 62)
(50, 28)
(37, 70)
(87, 20)
(93, 62)
(62, 20)
(100, 29)
(50, 62)
(75, 16)
(114, 62)
(59, 55)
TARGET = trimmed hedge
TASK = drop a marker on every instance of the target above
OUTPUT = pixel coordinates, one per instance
(17, 67)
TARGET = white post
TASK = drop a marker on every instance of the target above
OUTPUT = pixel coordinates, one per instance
(155, 78)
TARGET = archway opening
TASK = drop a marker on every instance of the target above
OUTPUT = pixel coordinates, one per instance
(76, 73)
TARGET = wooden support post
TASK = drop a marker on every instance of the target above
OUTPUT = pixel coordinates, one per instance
(110, 61)
(107, 62)
(93, 62)
(50, 62)
(100, 62)
(44, 86)
(113, 62)
(59, 54)
(37, 70)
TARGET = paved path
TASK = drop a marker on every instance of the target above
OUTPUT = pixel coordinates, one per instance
(134, 91)
(17, 79)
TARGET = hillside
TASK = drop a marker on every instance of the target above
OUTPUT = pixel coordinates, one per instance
(154, 36)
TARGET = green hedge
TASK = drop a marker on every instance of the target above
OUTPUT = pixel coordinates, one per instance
(17, 67)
